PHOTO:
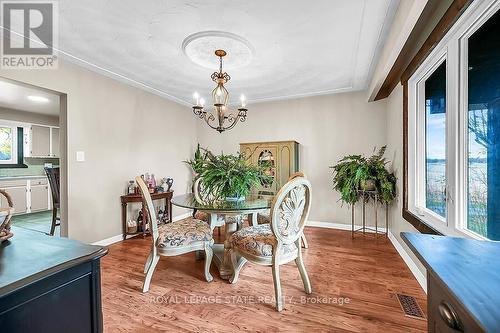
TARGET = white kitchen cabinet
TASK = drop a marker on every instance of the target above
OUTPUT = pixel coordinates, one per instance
(42, 141)
(39, 198)
(19, 199)
(54, 141)
(28, 194)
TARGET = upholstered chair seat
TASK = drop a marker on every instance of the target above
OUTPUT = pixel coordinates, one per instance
(183, 233)
(258, 241)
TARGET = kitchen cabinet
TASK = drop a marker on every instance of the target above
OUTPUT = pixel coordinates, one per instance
(42, 141)
(39, 198)
(28, 194)
(19, 198)
(54, 141)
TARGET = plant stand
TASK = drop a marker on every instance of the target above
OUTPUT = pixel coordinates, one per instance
(365, 197)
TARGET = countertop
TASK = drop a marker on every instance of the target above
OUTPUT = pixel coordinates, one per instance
(470, 270)
(22, 177)
(30, 256)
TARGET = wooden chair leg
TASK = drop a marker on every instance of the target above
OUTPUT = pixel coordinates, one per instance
(150, 272)
(208, 260)
(54, 220)
(277, 287)
(304, 241)
(302, 270)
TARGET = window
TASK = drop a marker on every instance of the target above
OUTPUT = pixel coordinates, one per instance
(8, 145)
(435, 141)
(483, 141)
(454, 128)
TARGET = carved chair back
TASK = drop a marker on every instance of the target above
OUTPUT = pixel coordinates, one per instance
(201, 196)
(290, 209)
(150, 209)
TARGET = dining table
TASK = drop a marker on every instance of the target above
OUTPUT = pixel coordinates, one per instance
(250, 206)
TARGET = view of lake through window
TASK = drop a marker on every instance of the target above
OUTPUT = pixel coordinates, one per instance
(435, 141)
(483, 165)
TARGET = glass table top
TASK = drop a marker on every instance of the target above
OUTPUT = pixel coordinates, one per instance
(252, 202)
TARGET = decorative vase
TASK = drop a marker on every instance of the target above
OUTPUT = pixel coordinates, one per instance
(235, 199)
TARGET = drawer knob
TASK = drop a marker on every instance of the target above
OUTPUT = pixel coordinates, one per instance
(449, 316)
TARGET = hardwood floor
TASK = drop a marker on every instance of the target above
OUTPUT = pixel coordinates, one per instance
(363, 273)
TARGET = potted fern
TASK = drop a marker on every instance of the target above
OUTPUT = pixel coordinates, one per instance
(357, 172)
(227, 177)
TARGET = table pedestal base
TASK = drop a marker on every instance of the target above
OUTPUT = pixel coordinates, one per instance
(222, 252)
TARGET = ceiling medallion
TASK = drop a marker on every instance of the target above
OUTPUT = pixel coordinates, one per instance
(199, 48)
(220, 96)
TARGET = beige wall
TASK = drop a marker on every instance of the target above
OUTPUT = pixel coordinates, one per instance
(28, 117)
(395, 153)
(124, 132)
(327, 128)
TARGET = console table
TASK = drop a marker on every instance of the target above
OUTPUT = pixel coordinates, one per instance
(128, 198)
(49, 284)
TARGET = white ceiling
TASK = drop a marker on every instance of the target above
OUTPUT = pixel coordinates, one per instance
(15, 96)
(299, 48)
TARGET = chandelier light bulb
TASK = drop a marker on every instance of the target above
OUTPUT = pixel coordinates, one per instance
(196, 96)
(243, 101)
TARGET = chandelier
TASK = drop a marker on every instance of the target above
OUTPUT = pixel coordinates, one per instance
(220, 120)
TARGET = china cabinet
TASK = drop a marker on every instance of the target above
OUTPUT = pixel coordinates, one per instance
(280, 158)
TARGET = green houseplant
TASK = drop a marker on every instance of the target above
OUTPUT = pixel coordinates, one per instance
(355, 172)
(226, 177)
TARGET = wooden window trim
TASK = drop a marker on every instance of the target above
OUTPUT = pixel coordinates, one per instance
(449, 18)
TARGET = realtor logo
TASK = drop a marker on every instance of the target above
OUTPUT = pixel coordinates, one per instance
(29, 35)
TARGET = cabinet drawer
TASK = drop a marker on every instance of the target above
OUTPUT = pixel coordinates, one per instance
(41, 181)
(443, 309)
(12, 183)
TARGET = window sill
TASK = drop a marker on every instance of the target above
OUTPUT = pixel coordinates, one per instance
(13, 166)
(419, 224)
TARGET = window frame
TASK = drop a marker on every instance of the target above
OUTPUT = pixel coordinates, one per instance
(453, 49)
(417, 148)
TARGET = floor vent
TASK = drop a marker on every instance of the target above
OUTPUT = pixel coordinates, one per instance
(410, 307)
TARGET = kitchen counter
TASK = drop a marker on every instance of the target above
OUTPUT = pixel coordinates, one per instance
(22, 177)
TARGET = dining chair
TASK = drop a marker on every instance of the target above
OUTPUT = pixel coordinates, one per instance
(278, 242)
(172, 239)
(54, 178)
(265, 216)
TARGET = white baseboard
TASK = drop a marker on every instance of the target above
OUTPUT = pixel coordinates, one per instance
(417, 273)
(118, 238)
(341, 226)
(421, 279)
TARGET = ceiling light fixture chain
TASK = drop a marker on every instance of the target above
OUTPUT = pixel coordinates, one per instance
(220, 97)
